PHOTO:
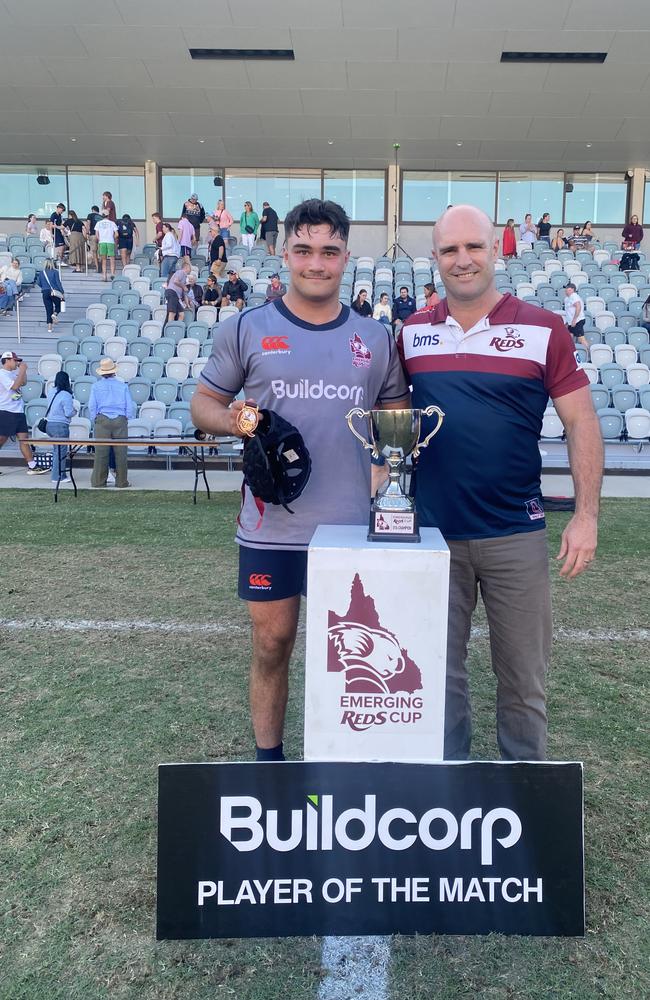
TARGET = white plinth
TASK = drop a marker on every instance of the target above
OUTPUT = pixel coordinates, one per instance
(376, 646)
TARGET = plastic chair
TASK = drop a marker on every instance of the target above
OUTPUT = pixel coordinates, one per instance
(82, 386)
(626, 355)
(32, 388)
(67, 347)
(188, 348)
(127, 367)
(105, 328)
(165, 390)
(152, 369)
(91, 348)
(165, 348)
(624, 397)
(141, 314)
(206, 314)
(75, 367)
(188, 388)
(612, 375)
(637, 423)
(138, 429)
(96, 312)
(177, 368)
(612, 424)
(140, 389)
(49, 365)
(601, 354)
(638, 375)
(167, 428)
(152, 330)
(599, 396)
(151, 411)
(174, 330)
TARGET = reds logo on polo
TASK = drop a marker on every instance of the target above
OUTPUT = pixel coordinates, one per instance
(510, 342)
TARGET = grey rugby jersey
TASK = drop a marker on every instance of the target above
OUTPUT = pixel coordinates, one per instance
(312, 376)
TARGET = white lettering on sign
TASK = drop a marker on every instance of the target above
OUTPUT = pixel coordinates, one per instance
(246, 825)
(486, 890)
(275, 890)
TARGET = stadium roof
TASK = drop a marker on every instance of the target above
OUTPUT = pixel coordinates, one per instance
(117, 77)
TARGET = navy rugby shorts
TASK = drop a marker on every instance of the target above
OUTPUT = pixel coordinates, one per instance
(271, 574)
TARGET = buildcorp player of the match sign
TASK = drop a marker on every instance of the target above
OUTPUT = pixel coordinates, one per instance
(253, 850)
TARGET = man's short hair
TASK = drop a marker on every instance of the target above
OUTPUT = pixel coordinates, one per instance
(403, 288)
(94, 208)
(314, 212)
(61, 205)
(570, 285)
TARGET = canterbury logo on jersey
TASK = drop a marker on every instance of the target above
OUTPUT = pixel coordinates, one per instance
(275, 344)
(260, 581)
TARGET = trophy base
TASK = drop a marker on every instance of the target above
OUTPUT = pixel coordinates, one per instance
(393, 526)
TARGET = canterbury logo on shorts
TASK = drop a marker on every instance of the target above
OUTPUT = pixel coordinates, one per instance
(259, 581)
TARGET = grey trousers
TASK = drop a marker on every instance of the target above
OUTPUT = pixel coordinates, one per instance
(110, 427)
(513, 576)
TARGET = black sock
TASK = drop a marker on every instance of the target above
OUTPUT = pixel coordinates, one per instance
(270, 753)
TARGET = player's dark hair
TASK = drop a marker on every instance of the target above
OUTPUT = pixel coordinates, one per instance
(314, 212)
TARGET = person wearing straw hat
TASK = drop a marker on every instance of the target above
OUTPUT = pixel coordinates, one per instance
(110, 407)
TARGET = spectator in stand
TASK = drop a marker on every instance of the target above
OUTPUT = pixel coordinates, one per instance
(509, 240)
(76, 241)
(527, 231)
(275, 289)
(574, 311)
(558, 242)
(47, 238)
(589, 236)
(211, 292)
(58, 226)
(431, 296)
(49, 282)
(223, 219)
(270, 227)
(645, 314)
(186, 236)
(170, 250)
(94, 216)
(108, 206)
(176, 292)
(576, 240)
(194, 212)
(248, 225)
(126, 232)
(60, 410)
(403, 307)
(361, 305)
(106, 231)
(33, 226)
(7, 296)
(157, 221)
(217, 251)
(110, 407)
(383, 311)
(233, 291)
(632, 234)
(544, 229)
(194, 292)
(13, 374)
(12, 273)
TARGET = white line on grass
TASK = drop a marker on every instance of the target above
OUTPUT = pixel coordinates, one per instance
(356, 967)
(223, 628)
(90, 625)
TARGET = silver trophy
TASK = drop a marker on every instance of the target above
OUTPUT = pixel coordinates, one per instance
(394, 434)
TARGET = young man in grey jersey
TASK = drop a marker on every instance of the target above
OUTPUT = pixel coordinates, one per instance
(311, 360)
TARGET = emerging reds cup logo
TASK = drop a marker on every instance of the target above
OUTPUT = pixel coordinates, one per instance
(375, 667)
(361, 355)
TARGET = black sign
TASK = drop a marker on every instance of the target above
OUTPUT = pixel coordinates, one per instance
(256, 850)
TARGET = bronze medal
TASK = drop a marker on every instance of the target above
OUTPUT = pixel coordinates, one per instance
(247, 419)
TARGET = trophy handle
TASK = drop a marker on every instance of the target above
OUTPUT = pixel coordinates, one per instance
(358, 412)
(428, 412)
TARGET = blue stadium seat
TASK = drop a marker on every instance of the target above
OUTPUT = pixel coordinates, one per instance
(140, 389)
(612, 424)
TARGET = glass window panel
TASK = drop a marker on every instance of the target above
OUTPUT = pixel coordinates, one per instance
(282, 189)
(537, 193)
(20, 194)
(426, 194)
(600, 198)
(179, 183)
(360, 192)
(86, 186)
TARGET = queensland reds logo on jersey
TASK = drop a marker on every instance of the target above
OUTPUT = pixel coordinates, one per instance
(361, 355)
(510, 342)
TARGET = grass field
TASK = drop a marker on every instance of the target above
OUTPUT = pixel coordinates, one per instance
(88, 715)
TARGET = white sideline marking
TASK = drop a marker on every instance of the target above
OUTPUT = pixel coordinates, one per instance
(356, 967)
(88, 625)
(220, 628)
